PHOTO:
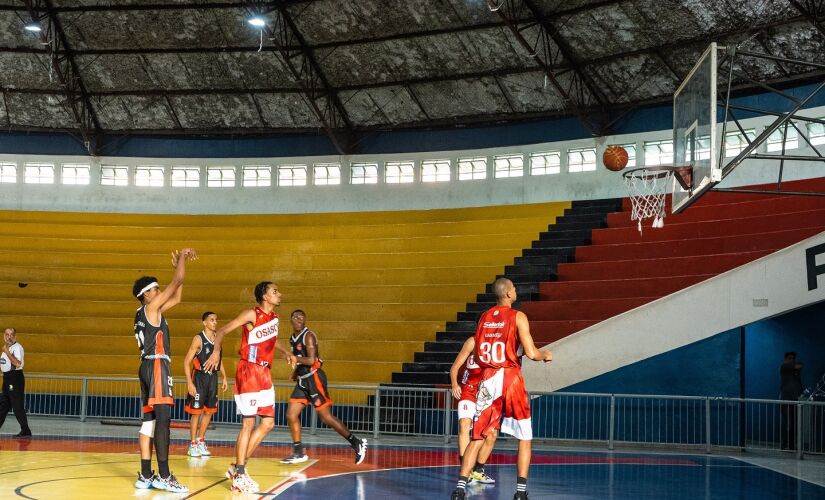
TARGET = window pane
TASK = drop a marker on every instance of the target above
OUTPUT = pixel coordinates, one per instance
(39, 173)
(435, 171)
(658, 152)
(292, 175)
(8, 173)
(149, 176)
(472, 168)
(509, 166)
(255, 176)
(399, 172)
(581, 160)
(114, 175)
(364, 173)
(186, 176)
(816, 133)
(220, 177)
(775, 139)
(735, 142)
(75, 174)
(545, 163)
(326, 174)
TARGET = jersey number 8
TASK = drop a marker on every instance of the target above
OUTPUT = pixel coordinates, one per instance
(491, 351)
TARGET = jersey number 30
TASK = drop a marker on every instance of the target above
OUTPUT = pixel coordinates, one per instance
(491, 352)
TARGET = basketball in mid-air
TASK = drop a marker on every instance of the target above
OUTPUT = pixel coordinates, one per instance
(615, 158)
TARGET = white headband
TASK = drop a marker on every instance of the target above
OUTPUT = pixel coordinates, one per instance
(147, 288)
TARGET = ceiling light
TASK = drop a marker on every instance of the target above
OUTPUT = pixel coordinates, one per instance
(34, 28)
(257, 21)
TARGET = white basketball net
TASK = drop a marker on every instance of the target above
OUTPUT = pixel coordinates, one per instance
(647, 190)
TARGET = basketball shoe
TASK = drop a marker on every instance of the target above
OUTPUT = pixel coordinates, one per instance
(295, 458)
(360, 451)
(520, 495)
(144, 483)
(203, 449)
(481, 477)
(458, 494)
(169, 484)
(244, 484)
(194, 450)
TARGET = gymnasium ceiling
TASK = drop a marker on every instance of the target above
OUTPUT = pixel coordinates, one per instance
(193, 66)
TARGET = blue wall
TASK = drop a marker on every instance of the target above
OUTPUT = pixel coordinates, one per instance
(767, 341)
(710, 367)
(646, 119)
(714, 366)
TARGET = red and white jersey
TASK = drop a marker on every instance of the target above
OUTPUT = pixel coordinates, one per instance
(472, 372)
(497, 342)
(258, 342)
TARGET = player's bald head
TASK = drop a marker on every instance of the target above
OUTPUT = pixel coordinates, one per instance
(501, 287)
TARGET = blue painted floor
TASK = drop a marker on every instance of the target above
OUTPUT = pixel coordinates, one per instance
(688, 477)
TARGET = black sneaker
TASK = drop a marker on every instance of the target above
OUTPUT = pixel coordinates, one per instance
(22, 434)
(458, 494)
(520, 495)
(361, 452)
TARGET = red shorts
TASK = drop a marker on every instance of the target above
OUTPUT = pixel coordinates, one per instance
(254, 394)
(502, 403)
(467, 402)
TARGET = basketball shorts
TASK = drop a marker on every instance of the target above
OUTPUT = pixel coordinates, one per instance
(502, 403)
(312, 389)
(467, 403)
(155, 377)
(205, 399)
(254, 394)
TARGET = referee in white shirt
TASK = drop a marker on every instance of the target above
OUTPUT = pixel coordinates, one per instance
(14, 384)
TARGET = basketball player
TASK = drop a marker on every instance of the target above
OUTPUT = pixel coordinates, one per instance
(465, 392)
(502, 334)
(311, 387)
(254, 394)
(202, 388)
(152, 334)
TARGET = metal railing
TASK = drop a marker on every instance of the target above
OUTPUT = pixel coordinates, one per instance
(610, 420)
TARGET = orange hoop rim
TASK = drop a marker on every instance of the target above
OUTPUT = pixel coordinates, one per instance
(683, 173)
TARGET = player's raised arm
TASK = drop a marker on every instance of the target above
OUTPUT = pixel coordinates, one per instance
(170, 295)
(526, 340)
(460, 359)
(248, 316)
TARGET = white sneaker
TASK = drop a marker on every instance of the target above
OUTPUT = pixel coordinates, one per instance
(144, 483)
(169, 484)
(295, 459)
(194, 450)
(203, 449)
(231, 472)
(361, 452)
(244, 484)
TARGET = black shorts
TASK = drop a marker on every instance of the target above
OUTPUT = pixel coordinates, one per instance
(206, 397)
(155, 385)
(312, 389)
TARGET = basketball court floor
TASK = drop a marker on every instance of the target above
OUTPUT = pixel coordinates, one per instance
(72, 460)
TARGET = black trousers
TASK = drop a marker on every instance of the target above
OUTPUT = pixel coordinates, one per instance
(787, 438)
(14, 390)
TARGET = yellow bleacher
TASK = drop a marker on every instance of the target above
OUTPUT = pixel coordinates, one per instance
(375, 285)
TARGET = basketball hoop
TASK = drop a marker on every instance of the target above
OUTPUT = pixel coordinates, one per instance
(648, 187)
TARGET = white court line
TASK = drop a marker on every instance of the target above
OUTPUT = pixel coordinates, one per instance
(793, 474)
(289, 479)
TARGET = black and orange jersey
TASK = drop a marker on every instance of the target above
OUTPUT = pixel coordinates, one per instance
(299, 348)
(207, 346)
(152, 340)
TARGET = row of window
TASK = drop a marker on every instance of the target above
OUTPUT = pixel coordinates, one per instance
(395, 172)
